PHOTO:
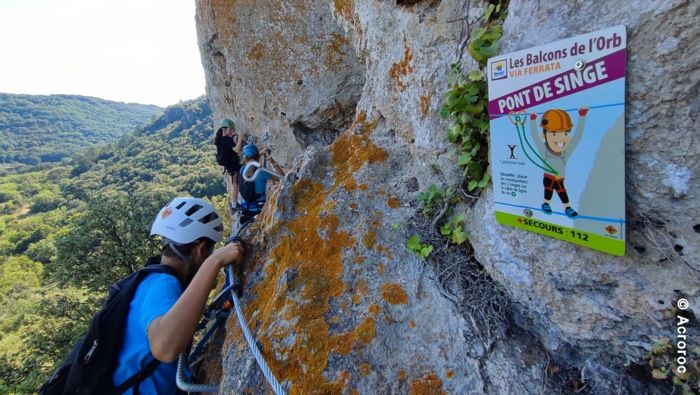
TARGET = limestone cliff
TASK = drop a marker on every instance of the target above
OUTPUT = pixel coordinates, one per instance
(345, 92)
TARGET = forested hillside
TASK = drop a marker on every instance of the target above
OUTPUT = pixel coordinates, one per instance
(36, 129)
(69, 230)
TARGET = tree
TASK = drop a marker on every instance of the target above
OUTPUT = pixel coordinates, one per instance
(107, 242)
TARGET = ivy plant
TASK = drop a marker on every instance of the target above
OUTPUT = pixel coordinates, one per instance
(422, 250)
(434, 196)
(466, 102)
(453, 230)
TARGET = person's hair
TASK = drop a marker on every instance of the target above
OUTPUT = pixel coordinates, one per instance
(185, 249)
(219, 135)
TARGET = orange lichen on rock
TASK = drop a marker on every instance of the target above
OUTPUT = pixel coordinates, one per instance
(450, 374)
(256, 53)
(365, 331)
(350, 185)
(370, 238)
(381, 268)
(343, 8)
(394, 294)
(358, 259)
(336, 51)
(365, 368)
(424, 105)
(402, 375)
(335, 387)
(363, 187)
(269, 209)
(385, 250)
(342, 344)
(393, 202)
(373, 309)
(318, 263)
(305, 194)
(296, 340)
(354, 148)
(402, 68)
(361, 291)
(427, 385)
(353, 206)
(412, 324)
(362, 287)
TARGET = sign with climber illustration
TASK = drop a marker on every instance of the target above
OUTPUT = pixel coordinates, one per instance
(558, 139)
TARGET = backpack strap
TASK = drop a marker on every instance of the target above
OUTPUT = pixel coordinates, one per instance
(138, 377)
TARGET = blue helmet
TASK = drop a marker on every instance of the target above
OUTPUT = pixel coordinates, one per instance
(250, 150)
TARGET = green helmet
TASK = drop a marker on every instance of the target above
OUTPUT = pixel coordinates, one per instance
(227, 123)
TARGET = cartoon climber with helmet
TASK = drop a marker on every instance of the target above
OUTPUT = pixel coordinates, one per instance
(555, 144)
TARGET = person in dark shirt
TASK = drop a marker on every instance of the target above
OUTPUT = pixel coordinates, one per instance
(228, 149)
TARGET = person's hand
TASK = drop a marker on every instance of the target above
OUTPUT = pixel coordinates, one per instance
(228, 254)
(583, 111)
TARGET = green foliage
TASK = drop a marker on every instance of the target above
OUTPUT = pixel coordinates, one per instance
(662, 363)
(422, 250)
(453, 230)
(434, 196)
(36, 129)
(466, 102)
(68, 230)
(107, 242)
(178, 157)
(484, 42)
(19, 275)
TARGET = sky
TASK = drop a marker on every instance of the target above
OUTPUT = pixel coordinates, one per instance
(136, 51)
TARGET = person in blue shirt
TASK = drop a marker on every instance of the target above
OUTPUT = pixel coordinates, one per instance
(165, 310)
(252, 193)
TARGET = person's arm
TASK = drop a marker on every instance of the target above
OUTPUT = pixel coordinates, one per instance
(239, 144)
(273, 163)
(169, 334)
(536, 137)
(579, 129)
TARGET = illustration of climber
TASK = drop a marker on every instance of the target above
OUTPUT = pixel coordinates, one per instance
(556, 145)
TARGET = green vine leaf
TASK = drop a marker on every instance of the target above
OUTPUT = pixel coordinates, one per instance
(475, 75)
(413, 243)
(459, 236)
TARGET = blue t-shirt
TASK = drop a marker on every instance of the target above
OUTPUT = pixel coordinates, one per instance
(156, 294)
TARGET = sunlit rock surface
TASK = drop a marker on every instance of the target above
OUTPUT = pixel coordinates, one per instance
(348, 93)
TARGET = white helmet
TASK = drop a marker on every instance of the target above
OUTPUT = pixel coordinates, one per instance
(187, 219)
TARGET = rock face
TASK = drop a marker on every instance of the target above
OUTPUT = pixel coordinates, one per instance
(283, 70)
(591, 308)
(348, 92)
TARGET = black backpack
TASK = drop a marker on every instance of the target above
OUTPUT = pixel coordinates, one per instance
(89, 367)
(220, 160)
(247, 189)
(231, 161)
